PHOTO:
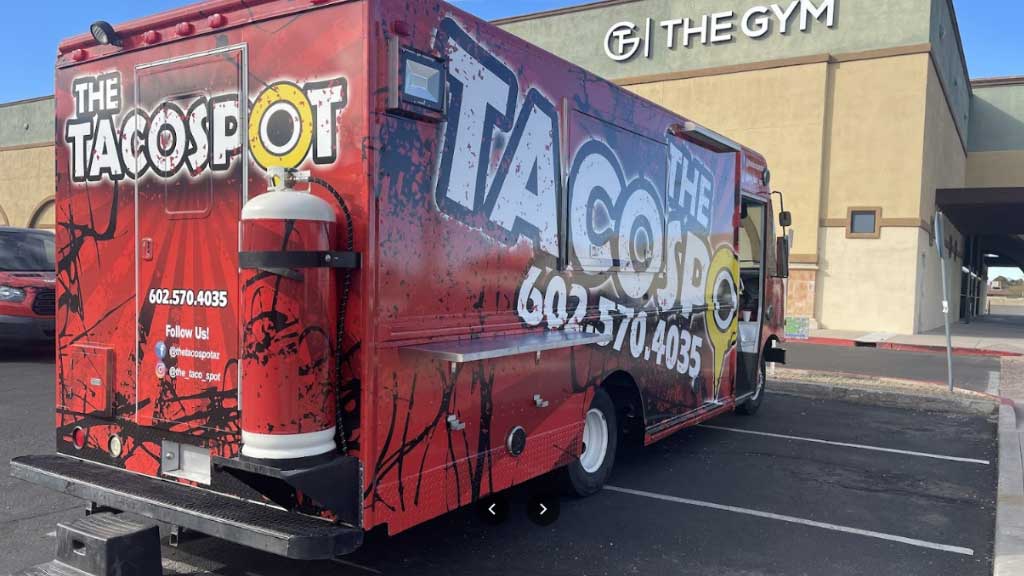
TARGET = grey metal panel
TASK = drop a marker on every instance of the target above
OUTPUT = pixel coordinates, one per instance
(500, 346)
(997, 118)
(27, 122)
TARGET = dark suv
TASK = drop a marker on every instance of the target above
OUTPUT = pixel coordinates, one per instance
(26, 285)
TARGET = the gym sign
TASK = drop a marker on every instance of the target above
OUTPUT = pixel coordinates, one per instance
(626, 39)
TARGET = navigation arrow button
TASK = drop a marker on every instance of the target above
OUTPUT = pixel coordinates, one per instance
(543, 508)
(493, 509)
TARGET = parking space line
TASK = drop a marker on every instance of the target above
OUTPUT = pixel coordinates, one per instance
(795, 520)
(848, 445)
(179, 567)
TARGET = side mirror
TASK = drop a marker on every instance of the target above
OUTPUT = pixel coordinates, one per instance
(785, 219)
(782, 257)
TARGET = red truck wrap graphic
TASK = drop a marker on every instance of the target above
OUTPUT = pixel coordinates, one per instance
(535, 199)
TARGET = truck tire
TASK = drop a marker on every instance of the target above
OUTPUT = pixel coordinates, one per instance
(751, 405)
(587, 474)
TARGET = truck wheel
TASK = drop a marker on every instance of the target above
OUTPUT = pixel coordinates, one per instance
(587, 475)
(750, 405)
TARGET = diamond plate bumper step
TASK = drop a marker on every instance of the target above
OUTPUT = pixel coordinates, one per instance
(248, 523)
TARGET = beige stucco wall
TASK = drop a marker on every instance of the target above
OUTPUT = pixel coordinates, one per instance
(945, 160)
(944, 166)
(867, 284)
(778, 112)
(889, 148)
(27, 183)
(998, 169)
(874, 157)
(873, 132)
(875, 136)
(929, 302)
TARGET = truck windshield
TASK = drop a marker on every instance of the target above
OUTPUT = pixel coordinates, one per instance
(26, 251)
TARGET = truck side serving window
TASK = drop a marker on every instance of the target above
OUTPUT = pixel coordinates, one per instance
(615, 199)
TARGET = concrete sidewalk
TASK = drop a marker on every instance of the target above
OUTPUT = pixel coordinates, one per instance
(999, 334)
(1009, 549)
(880, 390)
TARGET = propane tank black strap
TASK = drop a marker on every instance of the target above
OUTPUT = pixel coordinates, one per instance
(298, 259)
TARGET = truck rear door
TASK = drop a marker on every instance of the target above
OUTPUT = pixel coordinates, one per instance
(188, 199)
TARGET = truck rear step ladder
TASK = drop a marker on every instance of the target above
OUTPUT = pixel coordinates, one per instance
(103, 545)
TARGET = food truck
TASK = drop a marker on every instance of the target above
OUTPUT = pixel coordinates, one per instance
(331, 265)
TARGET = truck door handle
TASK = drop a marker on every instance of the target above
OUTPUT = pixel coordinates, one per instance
(147, 248)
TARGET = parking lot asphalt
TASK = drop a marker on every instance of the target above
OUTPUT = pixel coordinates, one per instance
(977, 373)
(27, 512)
(804, 487)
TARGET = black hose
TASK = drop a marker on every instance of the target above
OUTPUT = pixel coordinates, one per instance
(346, 286)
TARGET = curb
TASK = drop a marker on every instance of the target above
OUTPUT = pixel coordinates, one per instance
(849, 343)
(1009, 546)
(910, 394)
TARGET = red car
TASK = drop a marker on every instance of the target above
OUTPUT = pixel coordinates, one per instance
(26, 285)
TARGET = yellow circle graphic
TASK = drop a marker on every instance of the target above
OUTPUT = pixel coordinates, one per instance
(721, 298)
(286, 98)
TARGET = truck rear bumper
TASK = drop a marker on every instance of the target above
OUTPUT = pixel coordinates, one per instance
(248, 523)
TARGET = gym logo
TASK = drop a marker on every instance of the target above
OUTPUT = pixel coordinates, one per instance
(287, 122)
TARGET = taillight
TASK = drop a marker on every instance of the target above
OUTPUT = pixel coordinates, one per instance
(115, 446)
(78, 437)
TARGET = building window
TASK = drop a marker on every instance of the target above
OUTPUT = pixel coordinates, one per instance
(863, 222)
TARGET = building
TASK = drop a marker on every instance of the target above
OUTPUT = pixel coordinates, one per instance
(26, 162)
(864, 110)
(869, 123)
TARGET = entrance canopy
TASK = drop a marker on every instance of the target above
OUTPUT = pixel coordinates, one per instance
(994, 217)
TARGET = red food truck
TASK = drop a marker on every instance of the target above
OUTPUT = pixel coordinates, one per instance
(329, 265)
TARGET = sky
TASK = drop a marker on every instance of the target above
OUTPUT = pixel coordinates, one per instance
(990, 28)
(1008, 273)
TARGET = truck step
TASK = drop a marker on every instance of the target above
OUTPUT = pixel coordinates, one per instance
(54, 568)
(253, 524)
(103, 545)
(109, 545)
